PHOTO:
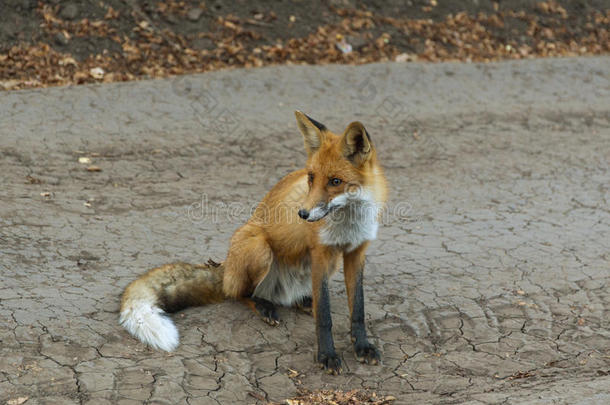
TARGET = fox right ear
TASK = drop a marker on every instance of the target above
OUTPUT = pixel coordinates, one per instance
(312, 132)
(356, 144)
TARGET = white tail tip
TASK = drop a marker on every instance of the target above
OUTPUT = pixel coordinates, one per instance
(150, 324)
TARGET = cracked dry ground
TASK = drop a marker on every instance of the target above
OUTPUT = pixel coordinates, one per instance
(488, 284)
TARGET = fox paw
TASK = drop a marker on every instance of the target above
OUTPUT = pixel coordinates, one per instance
(366, 353)
(331, 363)
(306, 305)
(267, 312)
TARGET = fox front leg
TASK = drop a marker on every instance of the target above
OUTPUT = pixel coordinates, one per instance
(327, 356)
(353, 266)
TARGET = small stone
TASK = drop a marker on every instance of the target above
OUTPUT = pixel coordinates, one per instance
(194, 14)
(61, 39)
(69, 11)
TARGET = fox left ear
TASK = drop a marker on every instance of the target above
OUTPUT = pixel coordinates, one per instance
(356, 144)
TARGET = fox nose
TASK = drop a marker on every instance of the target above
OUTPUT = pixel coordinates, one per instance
(304, 213)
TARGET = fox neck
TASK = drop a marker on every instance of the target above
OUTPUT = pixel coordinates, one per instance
(354, 223)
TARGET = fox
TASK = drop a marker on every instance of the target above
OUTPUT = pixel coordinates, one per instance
(308, 223)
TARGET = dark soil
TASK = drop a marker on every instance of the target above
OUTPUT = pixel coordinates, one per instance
(51, 42)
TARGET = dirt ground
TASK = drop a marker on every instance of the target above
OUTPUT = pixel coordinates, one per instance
(488, 283)
(51, 42)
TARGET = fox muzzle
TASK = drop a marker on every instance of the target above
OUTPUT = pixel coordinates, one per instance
(315, 214)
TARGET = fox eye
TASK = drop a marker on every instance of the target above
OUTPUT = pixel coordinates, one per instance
(335, 181)
(310, 177)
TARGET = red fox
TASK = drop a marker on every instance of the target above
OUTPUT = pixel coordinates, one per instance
(286, 252)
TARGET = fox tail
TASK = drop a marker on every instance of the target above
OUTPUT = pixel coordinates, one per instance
(169, 288)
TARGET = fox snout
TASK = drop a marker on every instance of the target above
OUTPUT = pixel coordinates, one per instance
(316, 213)
(322, 209)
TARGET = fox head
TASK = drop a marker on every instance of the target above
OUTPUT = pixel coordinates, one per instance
(339, 167)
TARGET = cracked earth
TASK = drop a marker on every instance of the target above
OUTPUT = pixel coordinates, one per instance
(488, 283)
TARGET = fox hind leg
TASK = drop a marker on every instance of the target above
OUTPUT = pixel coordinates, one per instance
(263, 308)
(248, 262)
(305, 305)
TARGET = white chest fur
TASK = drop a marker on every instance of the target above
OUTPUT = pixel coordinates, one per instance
(286, 285)
(352, 224)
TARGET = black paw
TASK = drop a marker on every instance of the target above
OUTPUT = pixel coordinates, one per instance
(330, 362)
(266, 310)
(306, 305)
(366, 353)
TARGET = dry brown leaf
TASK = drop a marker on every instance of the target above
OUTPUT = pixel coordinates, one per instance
(17, 401)
(97, 73)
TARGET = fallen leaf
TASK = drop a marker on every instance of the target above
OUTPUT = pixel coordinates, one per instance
(403, 57)
(84, 160)
(68, 60)
(97, 73)
(17, 401)
(94, 169)
(9, 84)
(79, 77)
(32, 180)
(256, 395)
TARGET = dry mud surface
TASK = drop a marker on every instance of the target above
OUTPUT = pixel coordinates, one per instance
(488, 283)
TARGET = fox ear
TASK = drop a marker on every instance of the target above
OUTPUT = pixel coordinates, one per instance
(312, 132)
(356, 144)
